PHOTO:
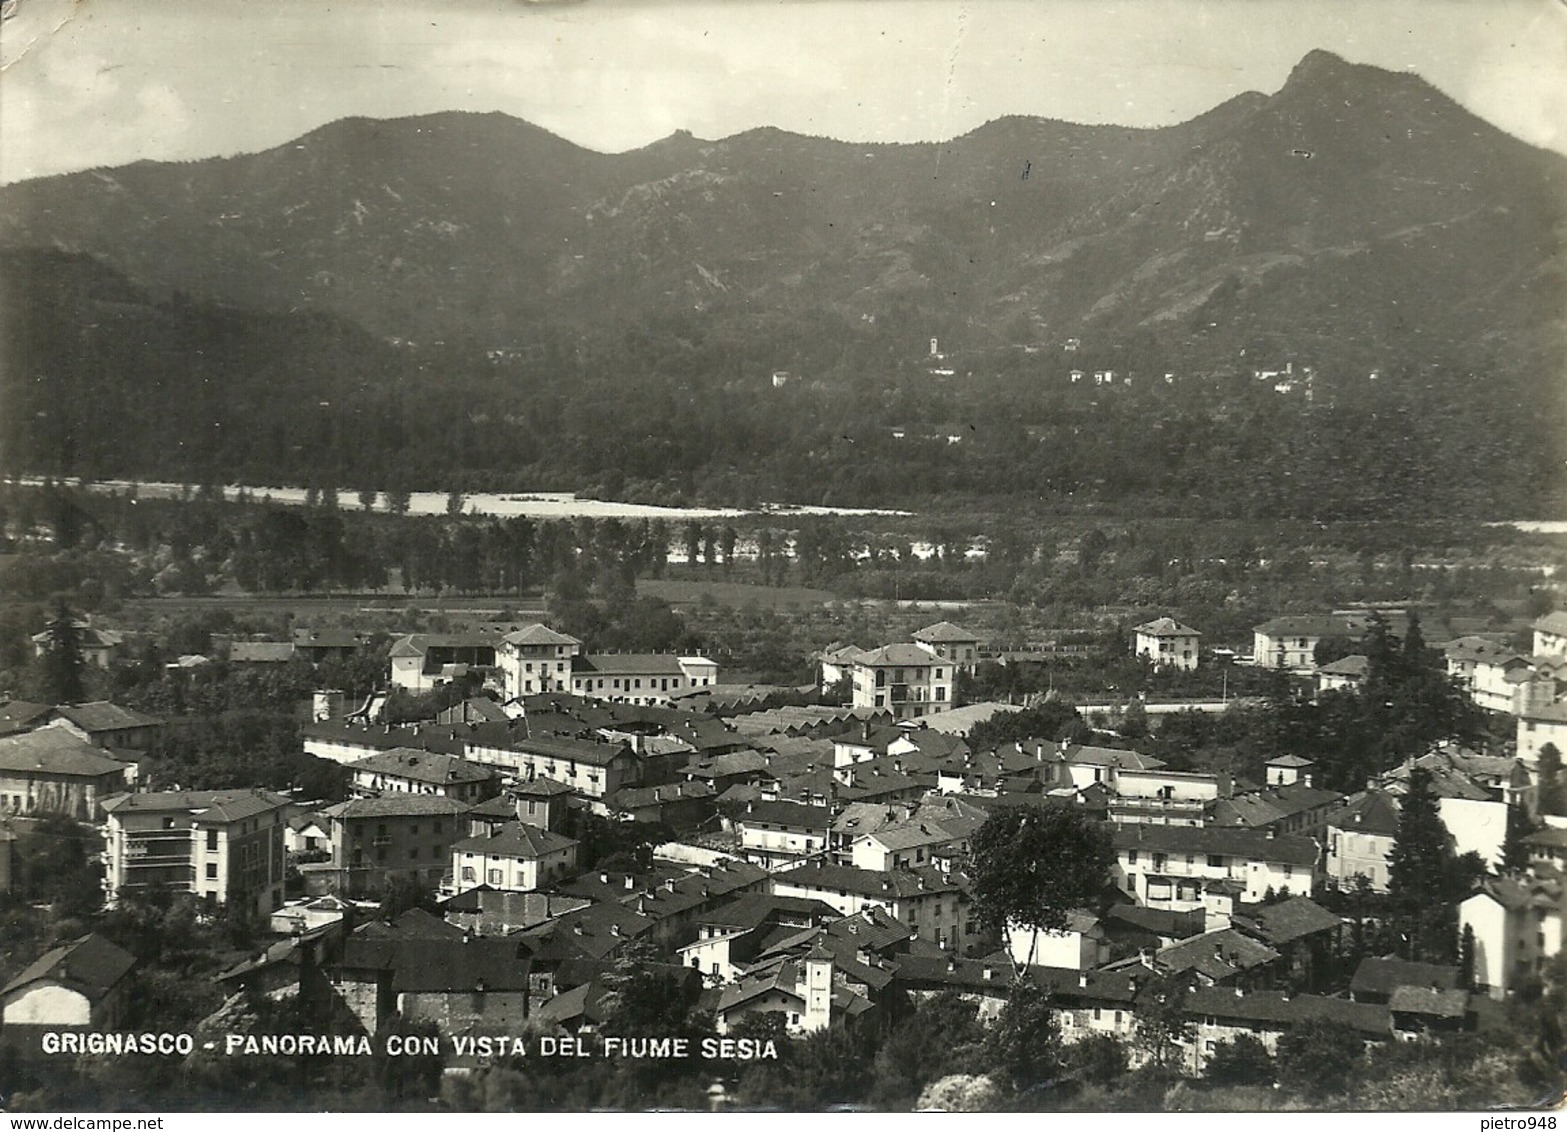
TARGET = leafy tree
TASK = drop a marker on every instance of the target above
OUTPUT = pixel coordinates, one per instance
(1553, 786)
(1515, 854)
(942, 1038)
(1466, 957)
(1319, 1059)
(1023, 1044)
(1046, 721)
(1032, 865)
(1415, 874)
(1162, 1025)
(63, 664)
(1099, 1059)
(960, 1093)
(1242, 1060)
(645, 995)
(402, 892)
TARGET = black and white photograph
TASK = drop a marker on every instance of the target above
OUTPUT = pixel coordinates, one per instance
(783, 556)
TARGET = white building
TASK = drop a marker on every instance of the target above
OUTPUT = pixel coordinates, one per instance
(907, 680)
(225, 846)
(1166, 643)
(1517, 928)
(536, 659)
(519, 858)
(1550, 634)
(640, 678)
(1171, 866)
(952, 643)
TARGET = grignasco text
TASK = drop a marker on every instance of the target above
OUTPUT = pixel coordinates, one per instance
(483, 1047)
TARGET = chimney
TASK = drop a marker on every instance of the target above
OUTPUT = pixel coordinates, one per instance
(603, 878)
(1082, 981)
(669, 884)
(989, 973)
(614, 929)
(1240, 992)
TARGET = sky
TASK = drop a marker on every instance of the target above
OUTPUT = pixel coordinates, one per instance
(90, 83)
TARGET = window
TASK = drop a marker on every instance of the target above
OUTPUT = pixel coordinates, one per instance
(212, 841)
(1190, 860)
(438, 826)
(413, 854)
(493, 876)
(1131, 856)
(380, 854)
(1215, 861)
(413, 830)
(467, 873)
(212, 870)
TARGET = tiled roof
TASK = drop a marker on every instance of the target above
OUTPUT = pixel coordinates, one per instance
(17, 714)
(518, 839)
(628, 664)
(1252, 844)
(396, 805)
(539, 788)
(54, 750)
(632, 798)
(446, 738)
(945, 631)
(1353, 667)
(1369, 811)
(423, 766)
(101, 715)
(1217, 955)
(1554, 622)
(221, 805)
(1425, 1000)
(1310, 626)
(910, 656)
(92, 966)
(1275, 1009)
(539, 635)
(1165, 627)
(571, 750)
(962, 720)
(1383, 976)
(1286, 921)
(894, 884)
(756, 908)
(417, 644)
(1083, 755)
(260, 652)
(789, 814)
(433, 966)
(1258, 808)
(326, 639)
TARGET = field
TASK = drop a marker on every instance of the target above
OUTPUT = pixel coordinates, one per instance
(683, 594)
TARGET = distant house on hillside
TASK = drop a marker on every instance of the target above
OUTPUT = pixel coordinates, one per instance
(1166, 643)
(99, 647)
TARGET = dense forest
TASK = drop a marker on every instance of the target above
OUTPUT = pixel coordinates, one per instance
(102, 379)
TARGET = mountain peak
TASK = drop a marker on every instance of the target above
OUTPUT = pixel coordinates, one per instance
(1319, 68)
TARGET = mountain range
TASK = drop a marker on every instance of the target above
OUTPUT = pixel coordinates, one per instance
(1357, 220)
